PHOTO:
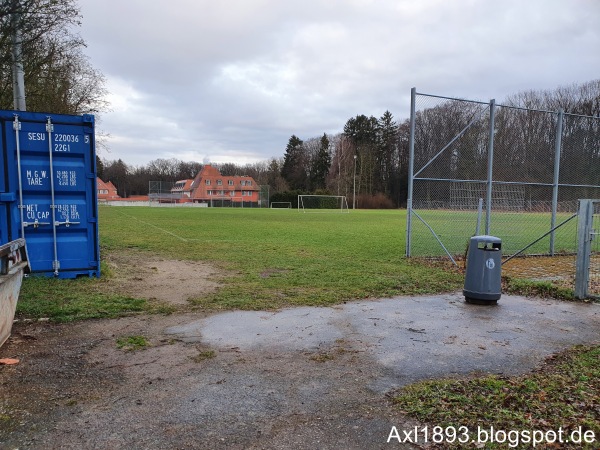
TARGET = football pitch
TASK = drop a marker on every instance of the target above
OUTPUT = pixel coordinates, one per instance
(278, 258)
(281, 257)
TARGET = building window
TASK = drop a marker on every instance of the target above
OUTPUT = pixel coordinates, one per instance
(219, 182)
(248, 183)
(209, 192)
(208, 182)
(232, 193)
(230, 182)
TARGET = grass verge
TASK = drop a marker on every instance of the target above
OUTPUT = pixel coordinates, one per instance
(68, 300)
(547, 289)
(132, 343)
(563, 394)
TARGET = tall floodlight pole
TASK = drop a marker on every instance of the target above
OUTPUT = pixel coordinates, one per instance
(339, 157)
(354, 188)
(17, 69)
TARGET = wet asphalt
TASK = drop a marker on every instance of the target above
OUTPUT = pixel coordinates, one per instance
(413, 338)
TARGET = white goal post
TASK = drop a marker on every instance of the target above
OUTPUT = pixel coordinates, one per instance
(281, 205)
(323, 203)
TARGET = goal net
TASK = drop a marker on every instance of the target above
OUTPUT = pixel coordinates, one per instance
(465, 196)
(322, 203)
(281, 205)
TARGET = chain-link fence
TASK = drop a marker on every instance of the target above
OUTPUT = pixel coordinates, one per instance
(484, 168)
(164, 192)
(587, 279)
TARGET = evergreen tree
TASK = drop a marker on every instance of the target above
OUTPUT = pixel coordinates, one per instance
(99, 168)
(293, 170)
(320, 165)
(362, 133)
(387, 152)
(274, 178)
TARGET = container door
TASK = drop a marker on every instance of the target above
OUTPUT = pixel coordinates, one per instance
(7, 198)
(55, 209)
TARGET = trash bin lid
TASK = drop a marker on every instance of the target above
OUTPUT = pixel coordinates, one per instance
(487, 238)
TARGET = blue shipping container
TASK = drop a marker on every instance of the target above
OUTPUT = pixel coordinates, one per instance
(48, 191)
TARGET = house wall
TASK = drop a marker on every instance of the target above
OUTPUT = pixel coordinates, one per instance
(209, 185)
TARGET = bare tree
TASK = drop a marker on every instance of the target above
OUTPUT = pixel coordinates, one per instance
(58, 76)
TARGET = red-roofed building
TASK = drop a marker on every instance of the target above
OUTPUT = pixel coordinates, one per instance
(209, 186)
(183, 188)
(106, 190)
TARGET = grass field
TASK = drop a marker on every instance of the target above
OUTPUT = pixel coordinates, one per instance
(281, 257)
(271, 258)
(517, 230)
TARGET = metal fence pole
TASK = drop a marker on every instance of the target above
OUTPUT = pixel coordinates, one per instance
(584, 248)
(411, 166)
(557, 147)
(488, 206)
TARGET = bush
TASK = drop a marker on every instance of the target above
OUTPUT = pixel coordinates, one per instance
(377, 201)
(287, 196)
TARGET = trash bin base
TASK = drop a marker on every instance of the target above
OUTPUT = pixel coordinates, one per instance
(480, 298)
(478, 301)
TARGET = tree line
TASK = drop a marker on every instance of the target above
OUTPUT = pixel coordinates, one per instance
(370, 156)
(369, 159)
(525, 138)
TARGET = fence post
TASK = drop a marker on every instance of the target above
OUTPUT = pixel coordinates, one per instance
(411, 166)
(557, 147)
(488, 206)
(584, 248)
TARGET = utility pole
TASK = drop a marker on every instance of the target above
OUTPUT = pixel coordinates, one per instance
(17, 57)
(354, 188)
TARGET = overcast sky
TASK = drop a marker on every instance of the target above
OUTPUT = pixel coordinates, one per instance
(232, 80)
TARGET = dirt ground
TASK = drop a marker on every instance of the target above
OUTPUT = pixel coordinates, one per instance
(165, 280)
(291, 379)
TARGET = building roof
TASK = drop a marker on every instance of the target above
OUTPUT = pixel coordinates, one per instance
(106, 186)
(183, 186)
(209, 177)
(199, 188)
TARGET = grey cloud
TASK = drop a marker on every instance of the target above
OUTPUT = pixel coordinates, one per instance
(235, 79)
